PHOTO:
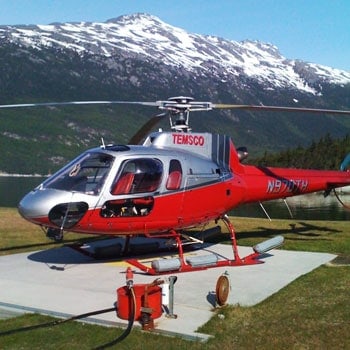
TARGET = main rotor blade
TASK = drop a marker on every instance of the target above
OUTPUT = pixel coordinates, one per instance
(49, 104)
(280, 109)
(193, 106)
(145, 129)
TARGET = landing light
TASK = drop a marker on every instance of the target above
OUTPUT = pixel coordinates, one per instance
(67, 215)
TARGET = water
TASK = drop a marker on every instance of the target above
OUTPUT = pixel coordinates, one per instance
(306, 207)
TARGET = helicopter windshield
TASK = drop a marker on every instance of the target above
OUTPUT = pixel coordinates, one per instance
(86, 174)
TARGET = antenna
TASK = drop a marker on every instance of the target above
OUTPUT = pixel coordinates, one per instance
(102, 143)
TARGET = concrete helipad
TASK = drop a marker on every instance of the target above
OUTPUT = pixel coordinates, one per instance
(63, 282)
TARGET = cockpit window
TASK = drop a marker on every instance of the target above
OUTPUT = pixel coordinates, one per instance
(175, 175)
(86, 174)
(138, 176)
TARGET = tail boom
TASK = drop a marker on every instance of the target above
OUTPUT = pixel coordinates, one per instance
(264, 183)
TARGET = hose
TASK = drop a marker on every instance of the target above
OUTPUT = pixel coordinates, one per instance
(132, 302)
(56, 322)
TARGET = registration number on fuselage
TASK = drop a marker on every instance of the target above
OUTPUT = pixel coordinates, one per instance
(287, 186)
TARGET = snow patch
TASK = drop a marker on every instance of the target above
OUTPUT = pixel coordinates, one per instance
(148, 36)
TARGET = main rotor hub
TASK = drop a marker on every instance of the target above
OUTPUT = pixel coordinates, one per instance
(183, 103)
(179, 109)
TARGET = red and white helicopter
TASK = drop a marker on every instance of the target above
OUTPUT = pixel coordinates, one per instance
(172, 182)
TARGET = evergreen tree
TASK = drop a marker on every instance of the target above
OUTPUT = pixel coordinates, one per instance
(327, 153)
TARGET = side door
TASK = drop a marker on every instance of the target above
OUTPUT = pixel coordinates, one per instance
(133, 189)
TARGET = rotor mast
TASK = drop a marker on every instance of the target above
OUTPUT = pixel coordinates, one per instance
(179, 108)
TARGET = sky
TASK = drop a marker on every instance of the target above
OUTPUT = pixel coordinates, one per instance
(315, 31)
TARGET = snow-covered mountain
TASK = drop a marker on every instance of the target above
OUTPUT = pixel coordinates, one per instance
(147, 37)
(141, 58)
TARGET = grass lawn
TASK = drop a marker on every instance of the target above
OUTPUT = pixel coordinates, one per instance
(313, 312)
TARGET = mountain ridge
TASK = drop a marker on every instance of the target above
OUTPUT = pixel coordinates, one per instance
(147, 36)
(139, 57)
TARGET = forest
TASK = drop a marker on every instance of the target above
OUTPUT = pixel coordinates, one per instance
(326, 153)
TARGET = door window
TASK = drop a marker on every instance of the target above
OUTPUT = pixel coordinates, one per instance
(138, 176)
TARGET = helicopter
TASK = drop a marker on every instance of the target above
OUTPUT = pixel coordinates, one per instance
(164, 183)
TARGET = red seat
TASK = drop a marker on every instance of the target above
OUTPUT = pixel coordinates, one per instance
(174, 180)
(124, 184)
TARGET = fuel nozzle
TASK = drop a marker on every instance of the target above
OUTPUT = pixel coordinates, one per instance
(129, 275)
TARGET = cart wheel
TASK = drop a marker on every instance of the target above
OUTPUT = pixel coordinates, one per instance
(222, 290)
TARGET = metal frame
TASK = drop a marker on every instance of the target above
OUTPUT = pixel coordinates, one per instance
(251, 259)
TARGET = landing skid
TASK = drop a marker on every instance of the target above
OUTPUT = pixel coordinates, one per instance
(181, 264)
(187, 267)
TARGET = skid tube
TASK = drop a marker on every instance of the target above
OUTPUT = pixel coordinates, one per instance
(181, 265)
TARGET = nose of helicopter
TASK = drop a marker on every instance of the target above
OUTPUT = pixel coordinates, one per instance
(34, 205)
(51, 207)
